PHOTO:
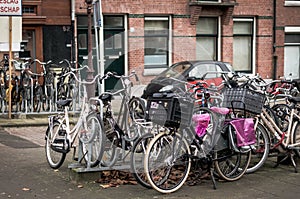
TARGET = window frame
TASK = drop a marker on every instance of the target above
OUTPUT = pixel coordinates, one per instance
(212, 35)
(287, 45)
(29, 7)
(156, 69)
(253, 43)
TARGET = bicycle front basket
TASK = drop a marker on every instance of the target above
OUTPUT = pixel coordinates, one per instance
(170, 110)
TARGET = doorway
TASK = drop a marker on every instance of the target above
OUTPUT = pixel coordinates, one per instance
(114, 50)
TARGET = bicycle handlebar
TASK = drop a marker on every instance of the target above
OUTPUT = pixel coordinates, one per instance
(79, 69)
(42, 63)
(85, 82)
(113, 74)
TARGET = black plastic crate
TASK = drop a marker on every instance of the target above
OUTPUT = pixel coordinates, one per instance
(243, 98)
(169, 110)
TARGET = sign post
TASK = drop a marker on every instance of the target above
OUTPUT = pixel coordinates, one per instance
(10, 57)
(10, 8)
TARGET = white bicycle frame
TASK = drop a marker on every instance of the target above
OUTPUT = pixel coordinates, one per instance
(64, 119)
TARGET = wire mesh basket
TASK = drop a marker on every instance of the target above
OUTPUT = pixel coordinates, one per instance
(169, 110)
(243, 98)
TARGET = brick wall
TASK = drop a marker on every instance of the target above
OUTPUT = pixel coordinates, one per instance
(183, 43)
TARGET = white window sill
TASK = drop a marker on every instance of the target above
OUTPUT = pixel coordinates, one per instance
(292, 3)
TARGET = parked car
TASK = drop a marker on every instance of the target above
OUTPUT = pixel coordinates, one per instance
(191, 71)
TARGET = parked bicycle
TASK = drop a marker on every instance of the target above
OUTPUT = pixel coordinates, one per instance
(61, 137)
(123, 130)
(280, 121)
(171, 153)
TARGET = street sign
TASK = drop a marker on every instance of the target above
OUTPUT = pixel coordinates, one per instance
(10, 7)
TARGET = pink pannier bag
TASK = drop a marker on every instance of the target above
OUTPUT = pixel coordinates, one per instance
(202, 121)
(244, 131)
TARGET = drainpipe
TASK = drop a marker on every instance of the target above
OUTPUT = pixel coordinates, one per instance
(275, 57)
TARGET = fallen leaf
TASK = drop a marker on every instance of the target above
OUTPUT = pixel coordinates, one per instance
(104, 186)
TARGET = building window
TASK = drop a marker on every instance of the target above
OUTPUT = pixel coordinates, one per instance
(30, 10)
(207, 37)
(243, 45)
(156, 38)
(292, 52)
(292, 2)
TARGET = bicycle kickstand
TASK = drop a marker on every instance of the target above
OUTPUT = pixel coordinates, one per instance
(293, 162)
(213, 178)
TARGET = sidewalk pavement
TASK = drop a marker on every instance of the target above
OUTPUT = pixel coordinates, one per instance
(24, 173)
(24, 120)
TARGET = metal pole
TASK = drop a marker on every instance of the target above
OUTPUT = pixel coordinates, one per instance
(9, 67)
(90, 72)
(96, 26)
(101, 39)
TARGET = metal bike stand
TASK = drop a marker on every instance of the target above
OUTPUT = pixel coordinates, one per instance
(78, 167)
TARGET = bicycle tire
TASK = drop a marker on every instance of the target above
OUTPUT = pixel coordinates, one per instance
(46, 99)
(92, 140)
(137, 108)
(282, 112)
(296, 136)
(137, 159)
(229, 164)
(109, 156)
(14, 98)
(261, 149)
(55, 159)
(2, 98)
(37, 99)
(165, 170)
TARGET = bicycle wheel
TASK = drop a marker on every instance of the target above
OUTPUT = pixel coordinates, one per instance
(55, 142)
(137, 109)
(37, 99)
(167, 162)
(14, 98)
(260, 151)
(282, 112)
(137, 159)
(29, 103)
(92, 140)
(1, 98)
(109, 156)
(296, 136)
(231, 164)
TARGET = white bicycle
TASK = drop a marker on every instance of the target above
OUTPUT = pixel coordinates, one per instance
(61, 137)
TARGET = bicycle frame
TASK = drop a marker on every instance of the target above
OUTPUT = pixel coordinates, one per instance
(283, 137)
(64, 119)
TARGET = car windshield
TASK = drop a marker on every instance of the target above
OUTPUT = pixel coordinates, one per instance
(176, 70)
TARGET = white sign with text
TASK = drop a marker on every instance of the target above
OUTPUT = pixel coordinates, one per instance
(10, 8)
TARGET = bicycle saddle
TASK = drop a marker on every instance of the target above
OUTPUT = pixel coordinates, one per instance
(65, 102)
(105, 97)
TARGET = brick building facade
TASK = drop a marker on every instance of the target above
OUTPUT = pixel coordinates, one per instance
(251, 35)
(254, 36)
